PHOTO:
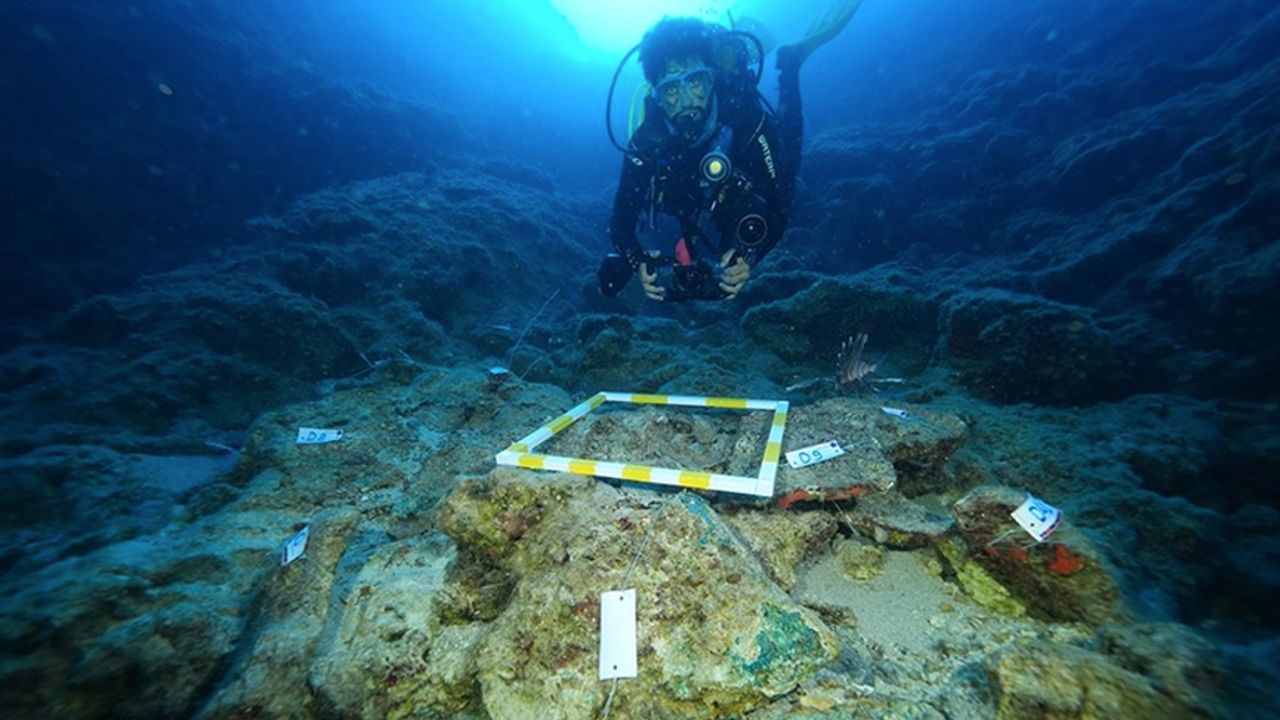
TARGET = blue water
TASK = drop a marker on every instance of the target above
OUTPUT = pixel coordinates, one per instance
(219, 209)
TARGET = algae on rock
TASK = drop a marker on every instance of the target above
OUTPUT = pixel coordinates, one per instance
(784, 540)
(858, 560)
(716, 636)
(1063, 681)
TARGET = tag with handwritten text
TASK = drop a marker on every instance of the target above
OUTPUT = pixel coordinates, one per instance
(814, 454)
(1037, 517)
(318, 436)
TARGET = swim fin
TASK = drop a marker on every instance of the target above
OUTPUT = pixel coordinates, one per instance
(827, 27)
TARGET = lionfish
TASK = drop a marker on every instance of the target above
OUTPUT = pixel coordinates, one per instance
(851, 369)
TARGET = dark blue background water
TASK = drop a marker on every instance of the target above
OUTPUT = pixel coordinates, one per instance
(105, 177)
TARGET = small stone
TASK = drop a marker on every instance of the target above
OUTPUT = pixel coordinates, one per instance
(859, 561)
(814, 701)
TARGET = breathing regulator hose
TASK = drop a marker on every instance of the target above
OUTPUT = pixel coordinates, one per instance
(608, 105)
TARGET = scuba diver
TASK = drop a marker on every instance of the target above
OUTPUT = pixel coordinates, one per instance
(711, 153)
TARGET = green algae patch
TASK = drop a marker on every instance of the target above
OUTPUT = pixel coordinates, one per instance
(787, 645)
(712, 529)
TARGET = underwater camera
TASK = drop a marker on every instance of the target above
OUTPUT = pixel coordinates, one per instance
(698, 281)
(695, 281)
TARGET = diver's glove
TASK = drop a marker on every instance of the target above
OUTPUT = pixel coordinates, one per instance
(736, 272)
(616, 271)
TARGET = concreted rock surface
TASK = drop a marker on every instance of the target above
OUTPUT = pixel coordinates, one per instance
(201, 597)
(1148, 672)
(745, 610)
(783, 541)
(882, 450)
(716, 636)
(1063, 578)
(389, 654)
(894, 521)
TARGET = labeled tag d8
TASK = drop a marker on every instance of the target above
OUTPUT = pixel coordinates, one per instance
(814, 454)
(318, 436)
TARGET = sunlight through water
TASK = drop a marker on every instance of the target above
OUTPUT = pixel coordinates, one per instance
(616, 25)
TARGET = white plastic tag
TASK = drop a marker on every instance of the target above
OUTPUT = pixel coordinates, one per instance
(1037, 517)
(814, 454)
(318, 436)
(896, 412)
(618, 634)
(296, 546)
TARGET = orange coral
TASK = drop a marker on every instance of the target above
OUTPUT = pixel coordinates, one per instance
(1065, 562)
(792, 498)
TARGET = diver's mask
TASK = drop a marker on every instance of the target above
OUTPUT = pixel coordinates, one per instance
(690, 95)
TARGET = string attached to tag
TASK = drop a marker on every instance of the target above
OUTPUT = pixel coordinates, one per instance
(618, 621)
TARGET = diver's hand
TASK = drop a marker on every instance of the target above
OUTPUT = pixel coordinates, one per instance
(649, 281)
(735, 275)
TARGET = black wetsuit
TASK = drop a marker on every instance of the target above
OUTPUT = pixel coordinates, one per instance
(660, 173)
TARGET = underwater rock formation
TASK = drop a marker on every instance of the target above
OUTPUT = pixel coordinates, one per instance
(391, 654)
(1018, 348)
(1149, 672)
(716, 636)
(821, 311)
(783, 541)
(1063, 579)
(881, 450)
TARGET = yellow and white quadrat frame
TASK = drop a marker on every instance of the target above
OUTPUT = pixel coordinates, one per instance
(520, 453)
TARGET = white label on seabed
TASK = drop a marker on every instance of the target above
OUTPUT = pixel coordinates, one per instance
(318, 436)
(1037, 517)
(814, 454)
(618, 634)
(296, 546)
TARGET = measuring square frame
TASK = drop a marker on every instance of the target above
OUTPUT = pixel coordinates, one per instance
(521, 453)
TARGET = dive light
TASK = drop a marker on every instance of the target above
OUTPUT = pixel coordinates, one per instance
(715, 165)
